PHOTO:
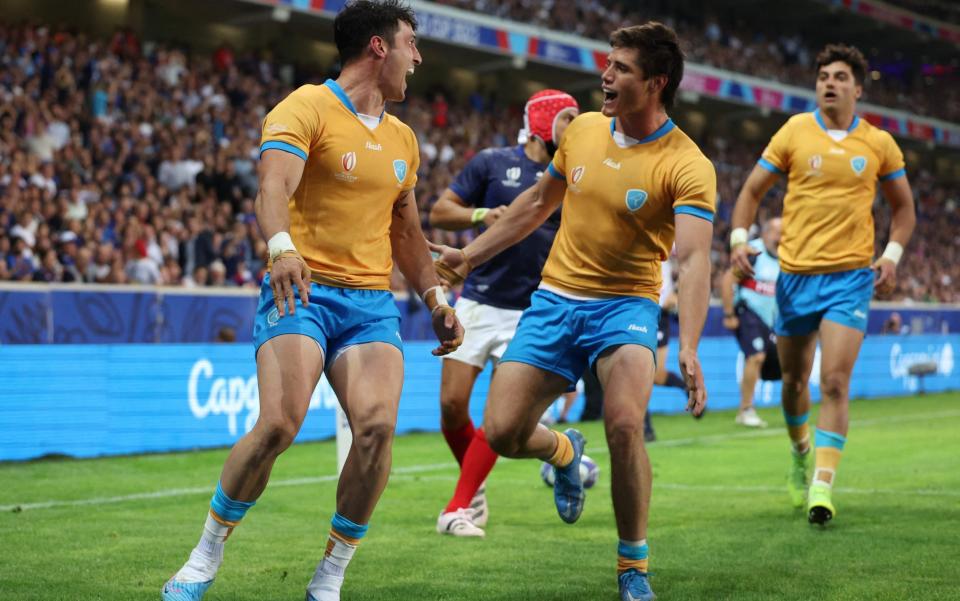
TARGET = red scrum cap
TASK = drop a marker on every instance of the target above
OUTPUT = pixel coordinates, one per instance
(541, 113)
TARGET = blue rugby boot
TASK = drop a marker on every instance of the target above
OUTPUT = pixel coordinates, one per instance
(567, 486)
(184, 591)
(634, 586)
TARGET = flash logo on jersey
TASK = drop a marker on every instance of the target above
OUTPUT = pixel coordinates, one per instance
(348, 161)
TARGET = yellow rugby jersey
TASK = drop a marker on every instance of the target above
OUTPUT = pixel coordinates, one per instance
(619, 207)
(831, 185)
(341, 212)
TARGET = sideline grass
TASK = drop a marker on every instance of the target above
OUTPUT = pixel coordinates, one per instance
(721, 526)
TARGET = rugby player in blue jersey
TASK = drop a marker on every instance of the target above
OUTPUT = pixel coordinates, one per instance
(749, 310)
(496, 293)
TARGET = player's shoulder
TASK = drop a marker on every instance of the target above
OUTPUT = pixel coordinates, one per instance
(401, 128)
(307, 93)
(586, 121)
(685, 152)
(875, 135)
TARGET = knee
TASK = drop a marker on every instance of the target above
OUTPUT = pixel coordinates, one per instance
(625, 432)
(454, 411)
(276, 435)
(501, 439)
(833, 385)
(373, 436)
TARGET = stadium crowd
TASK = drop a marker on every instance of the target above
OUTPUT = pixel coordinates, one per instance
(728, 42)
(130, 162)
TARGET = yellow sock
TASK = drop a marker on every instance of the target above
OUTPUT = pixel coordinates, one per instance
(564, 453)
(829, 451)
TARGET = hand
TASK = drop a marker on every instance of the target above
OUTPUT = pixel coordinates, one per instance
(693, 377)
(289, 271)
(447, 328)
(886, 275)
(494, 214)
(731, 322)
(451, 265)
(740, 260)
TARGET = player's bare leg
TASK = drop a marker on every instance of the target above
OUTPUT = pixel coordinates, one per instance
(796, 362)
(456, 384)
(626, 373)
(367, 379)
(519, 394)
(288, 368)
(840, 346)
(465, 516)
(746, 414)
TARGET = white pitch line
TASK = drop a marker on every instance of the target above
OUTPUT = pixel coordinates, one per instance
(413, 469)
(180, 492)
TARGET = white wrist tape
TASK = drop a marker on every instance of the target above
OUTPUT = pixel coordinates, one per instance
(738, 236)
(434, 298)
(893, 252)
(281, 242)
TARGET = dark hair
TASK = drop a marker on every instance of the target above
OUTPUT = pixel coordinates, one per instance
(832, 53)
(360, 20)
(658, 53)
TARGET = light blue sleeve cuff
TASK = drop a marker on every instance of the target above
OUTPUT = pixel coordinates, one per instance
(556, 172)
(894, 175)
(695, 211)
(769, 166)
(284, 146)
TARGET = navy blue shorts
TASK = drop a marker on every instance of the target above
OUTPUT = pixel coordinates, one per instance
(753, 335)
(663, 329)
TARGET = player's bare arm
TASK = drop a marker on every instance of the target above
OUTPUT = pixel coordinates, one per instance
(280, 174)
(902, 221)
(745, 213)
(523, 216)
(693, 240)
(730, 319)
(451, 213)
(413, 258)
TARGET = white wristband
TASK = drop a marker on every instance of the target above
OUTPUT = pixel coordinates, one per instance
(893, 251)
(738, 236)
(280, 243)
(437, 296)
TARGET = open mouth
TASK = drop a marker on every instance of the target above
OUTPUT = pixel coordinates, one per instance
(830, 95)
(609, 95)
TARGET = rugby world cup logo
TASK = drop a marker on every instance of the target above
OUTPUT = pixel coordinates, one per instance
(577, 174)
(815, 162)
(859, 164)
(348, 161)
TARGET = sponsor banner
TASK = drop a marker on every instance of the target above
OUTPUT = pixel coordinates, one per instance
(93, 400)
(68, 314)
(474, 30)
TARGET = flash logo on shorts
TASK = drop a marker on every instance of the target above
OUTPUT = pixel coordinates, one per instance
(635, 328)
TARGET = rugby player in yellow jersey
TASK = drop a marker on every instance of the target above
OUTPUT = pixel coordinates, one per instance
(336, 203)
(630, 182)
(833, 161)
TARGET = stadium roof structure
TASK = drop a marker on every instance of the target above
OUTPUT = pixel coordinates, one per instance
(524, 44)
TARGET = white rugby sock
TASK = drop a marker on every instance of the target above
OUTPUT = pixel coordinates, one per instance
(206, 557)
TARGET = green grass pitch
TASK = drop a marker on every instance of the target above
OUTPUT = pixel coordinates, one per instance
(721, 526)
